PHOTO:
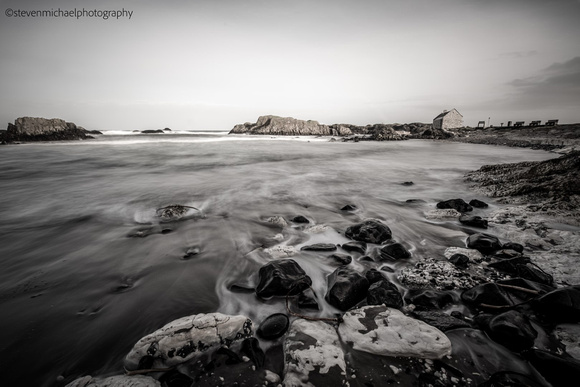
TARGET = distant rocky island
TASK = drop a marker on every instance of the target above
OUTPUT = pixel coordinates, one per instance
(44, 129)
(288, 126)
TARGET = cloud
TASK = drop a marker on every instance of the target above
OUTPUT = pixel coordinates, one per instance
(556, 86)
(519, 54)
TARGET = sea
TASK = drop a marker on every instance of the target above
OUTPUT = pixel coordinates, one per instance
(88, 267)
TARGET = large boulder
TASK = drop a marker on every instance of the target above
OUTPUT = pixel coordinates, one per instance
(313, 355)
(369, 231)
(388, 332)
(43, 129)
(275, 125)
(346, 288)
(282, 278)
(186, 338)
(561, 305)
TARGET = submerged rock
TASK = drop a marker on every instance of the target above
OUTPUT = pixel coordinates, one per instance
(341, 259)
(357, 247)
(346, 288)
(440, 320)
(478, 204)
(442, 214)
(388, 332)
(369, 231)
(313, 355)
(188, 337)
(282, 278)
(300, 219)
(319, 247)
(473, 221)
(456, 204)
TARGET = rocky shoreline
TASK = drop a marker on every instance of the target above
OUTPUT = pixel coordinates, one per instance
(432, 322)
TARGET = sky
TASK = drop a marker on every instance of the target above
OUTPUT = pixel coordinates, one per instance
(211, 64)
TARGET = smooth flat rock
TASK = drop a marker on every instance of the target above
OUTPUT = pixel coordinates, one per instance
(188, 337)
(388, 332)
(115, 381)
(313, 355)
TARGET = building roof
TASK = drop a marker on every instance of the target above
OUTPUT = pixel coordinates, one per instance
(447, 112)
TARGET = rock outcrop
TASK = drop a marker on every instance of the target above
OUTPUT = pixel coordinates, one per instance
(186, 338)
(285, 126)
(115, 381)
(43, 129)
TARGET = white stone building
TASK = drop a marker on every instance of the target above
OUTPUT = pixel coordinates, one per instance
(449, 119)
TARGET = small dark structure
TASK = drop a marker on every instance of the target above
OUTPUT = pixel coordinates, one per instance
(535, 123)
(509, 124)
(519, 124)
(551, 122)
(482, 123)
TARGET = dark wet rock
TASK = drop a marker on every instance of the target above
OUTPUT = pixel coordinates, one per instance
(346, 288)
(484, 243)
(274, 326)
(152, 131)
(366, 258)
(509, 265)
(357, 247)
(414, 201)
(440, 320)
(349, 207)
(300, 219)
(535, 274)
(513, 246)
(165, 231)
(487, 294)
(385, 331)
(342, 259)
(511, 329)
(188, 337)
(307, 300)
(313, 355)
(251, 348)
(175, 378)
(319, 247)
(473, 221)
(387, 269)
(459, 260)
(561, 305)
(191, 252)
(426, 299)
(281, 278)
(394, 252)
(373, 275)
(510, 379)
(173, 212)
(384, 293)
(478, 204)
(407, 183)
(369, 231)
(558, 370)
(456, 204)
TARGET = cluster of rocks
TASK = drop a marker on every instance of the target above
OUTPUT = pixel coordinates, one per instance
(481, 298)
(43, 129)
(155, 131)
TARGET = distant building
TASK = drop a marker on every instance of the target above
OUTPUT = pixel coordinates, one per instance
(449, 119)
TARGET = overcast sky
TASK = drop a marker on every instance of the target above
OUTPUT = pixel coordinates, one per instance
(210, 64)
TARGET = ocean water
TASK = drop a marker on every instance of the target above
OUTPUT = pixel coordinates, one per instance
(77, 290)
